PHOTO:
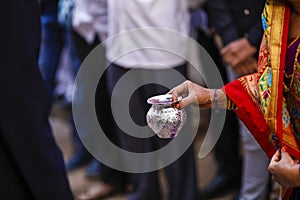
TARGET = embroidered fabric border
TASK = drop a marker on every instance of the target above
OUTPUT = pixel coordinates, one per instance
(251, 115)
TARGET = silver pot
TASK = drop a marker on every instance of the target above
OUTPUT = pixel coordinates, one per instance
(165, 120)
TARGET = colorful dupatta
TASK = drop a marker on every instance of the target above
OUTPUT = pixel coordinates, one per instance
(259, 98)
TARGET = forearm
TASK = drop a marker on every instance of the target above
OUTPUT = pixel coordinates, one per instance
(195, 94)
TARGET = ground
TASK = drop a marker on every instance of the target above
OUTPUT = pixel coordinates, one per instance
(206, 167)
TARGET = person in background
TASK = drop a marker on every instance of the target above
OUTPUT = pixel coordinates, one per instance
(56, 35)
(267, 101)
(132, 15)
(89, 30)
(238, 25)
(227, 150)
(86, 38)
(32, 165)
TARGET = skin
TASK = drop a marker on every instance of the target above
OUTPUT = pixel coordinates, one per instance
(193, 93)
(284, 169)
(247, 66)
(238, 54)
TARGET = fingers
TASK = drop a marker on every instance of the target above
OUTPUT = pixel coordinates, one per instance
(237, 52)
(186, 101)
(281, 157)
(285, 156)
(276, 157)
(183, 103)
(229, 57)
(187, 91)
(226, 50)
(230, 53)
(284, 169)
(248, 66)
(178, 105)
(274, 164)
(179, 90)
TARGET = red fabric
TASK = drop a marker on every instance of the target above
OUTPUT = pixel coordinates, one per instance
(288, 194)
(250, 115)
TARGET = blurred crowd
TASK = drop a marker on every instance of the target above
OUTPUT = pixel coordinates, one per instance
(229, 30)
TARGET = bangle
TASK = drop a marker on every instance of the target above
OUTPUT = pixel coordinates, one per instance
(216, 101)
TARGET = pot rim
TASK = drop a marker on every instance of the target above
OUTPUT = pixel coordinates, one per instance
(164, 99)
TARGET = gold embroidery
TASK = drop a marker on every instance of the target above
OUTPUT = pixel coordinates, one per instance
(274, 40)
(250, 84)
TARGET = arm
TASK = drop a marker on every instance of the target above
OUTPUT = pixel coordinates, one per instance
(237, 52)
(241, 37)
(244, 48)
(193, 93)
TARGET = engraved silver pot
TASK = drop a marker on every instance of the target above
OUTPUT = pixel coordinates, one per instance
(165, 120)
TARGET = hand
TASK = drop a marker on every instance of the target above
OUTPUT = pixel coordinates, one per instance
(192, 94)
(237, 51)
(284, 169)
(248, 66)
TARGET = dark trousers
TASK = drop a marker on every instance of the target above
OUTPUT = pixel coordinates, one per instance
(181, 174)
(227, 149)
(31, 164)
(82, 49)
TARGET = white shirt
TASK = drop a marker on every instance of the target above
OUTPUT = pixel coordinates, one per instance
(139, 16)
(90, 19)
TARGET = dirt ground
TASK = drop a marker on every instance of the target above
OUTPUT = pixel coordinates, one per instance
(206, 168)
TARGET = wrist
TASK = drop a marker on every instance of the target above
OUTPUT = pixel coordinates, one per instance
(218, 99)
(215, 101)
(204, 98)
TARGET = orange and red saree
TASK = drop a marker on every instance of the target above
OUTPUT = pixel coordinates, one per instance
(262, 99)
